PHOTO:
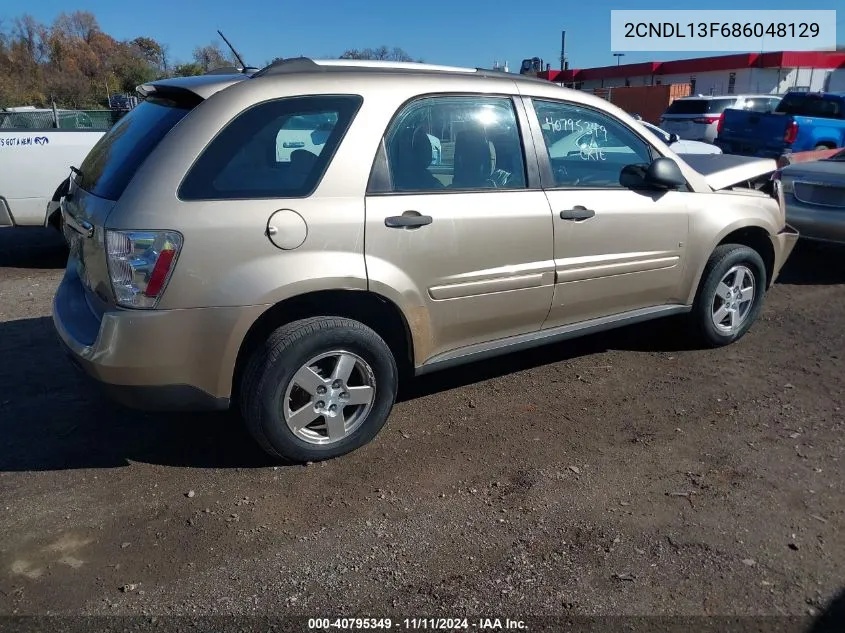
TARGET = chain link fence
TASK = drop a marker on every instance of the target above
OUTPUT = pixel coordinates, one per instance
(60, 119)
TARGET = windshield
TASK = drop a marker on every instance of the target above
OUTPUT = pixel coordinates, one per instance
(112, 162)
(699, 106)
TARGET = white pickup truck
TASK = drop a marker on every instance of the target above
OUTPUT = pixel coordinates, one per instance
(34, 165)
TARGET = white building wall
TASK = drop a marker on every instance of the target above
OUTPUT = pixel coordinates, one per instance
(748, 80)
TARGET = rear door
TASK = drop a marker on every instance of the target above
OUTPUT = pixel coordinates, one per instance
(616, 250)
(466, 236)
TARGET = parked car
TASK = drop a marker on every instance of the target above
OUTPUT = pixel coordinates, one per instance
(204, 272)
(681, 146)
(696, 118)
(801, 122)
(34, 165)
(815, 198)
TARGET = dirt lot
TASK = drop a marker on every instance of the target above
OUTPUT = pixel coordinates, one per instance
(621, 474)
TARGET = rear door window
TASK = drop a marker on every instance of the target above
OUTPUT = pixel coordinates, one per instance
(111, 163)
(456, 143)
(276, 149)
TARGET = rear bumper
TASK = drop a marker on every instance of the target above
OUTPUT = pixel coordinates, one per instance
(783, 244)
(157, 360)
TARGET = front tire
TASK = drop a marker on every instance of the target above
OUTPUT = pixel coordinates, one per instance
(318, 388)
(730, 296)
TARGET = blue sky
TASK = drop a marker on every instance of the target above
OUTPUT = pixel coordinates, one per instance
(465, 33)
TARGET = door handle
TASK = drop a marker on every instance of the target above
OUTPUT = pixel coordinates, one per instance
(407, 221)
(577, 213)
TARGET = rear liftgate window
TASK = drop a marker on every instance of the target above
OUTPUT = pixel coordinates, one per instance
(276, 149)
(111, 163)
(699, 106)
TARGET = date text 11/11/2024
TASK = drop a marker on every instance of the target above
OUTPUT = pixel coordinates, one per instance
(721, 29)
(449, 624)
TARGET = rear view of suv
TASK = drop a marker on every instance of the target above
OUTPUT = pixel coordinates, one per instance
(697, 118)
(290, 242)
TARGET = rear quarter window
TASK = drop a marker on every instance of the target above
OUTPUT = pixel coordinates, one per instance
(276, 149)
(114, 159)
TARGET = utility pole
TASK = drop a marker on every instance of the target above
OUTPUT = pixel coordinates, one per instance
(563, 63)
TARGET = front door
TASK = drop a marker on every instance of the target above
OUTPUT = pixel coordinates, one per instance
(616, 249)
(456, 236)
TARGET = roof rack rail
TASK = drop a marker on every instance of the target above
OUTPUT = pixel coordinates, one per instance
(290, 65)
(306, 64)
(492, 71)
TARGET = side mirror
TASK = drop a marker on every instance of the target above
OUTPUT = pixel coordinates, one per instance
(664, 173)
(674, 138)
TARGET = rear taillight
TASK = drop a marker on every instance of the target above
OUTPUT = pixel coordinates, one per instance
(140, 264)
(791, 132)
(720, 124)
(707, 120)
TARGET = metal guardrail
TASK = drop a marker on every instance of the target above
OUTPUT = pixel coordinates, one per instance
(62, 119)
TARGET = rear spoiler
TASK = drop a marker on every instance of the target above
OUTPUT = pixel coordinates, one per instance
(201, 86)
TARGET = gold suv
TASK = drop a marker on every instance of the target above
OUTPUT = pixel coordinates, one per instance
(294, 240)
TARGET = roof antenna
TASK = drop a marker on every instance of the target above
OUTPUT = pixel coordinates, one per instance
(232, 48)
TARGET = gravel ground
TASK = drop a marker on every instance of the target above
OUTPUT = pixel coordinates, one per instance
(620, 474)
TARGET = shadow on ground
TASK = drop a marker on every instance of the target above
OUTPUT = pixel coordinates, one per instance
(32, 247)
(814, 264)
(832, 617)
(53, 418)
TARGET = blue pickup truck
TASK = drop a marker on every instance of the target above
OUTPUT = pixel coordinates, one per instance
(802, 121)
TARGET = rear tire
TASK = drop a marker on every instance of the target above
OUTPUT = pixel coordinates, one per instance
(821, 148)
(318, 388)
(730, 295)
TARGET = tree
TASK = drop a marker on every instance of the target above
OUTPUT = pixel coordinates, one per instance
(151, 51)
(78, 25)
(212, 56)
(72, 62)
(189, 69)
(384, 53)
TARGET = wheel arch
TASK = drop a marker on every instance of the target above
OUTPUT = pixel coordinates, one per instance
(54, 210)
(753, 236)
(370, 308)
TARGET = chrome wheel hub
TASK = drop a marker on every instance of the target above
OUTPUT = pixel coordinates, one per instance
(329, 397)
(733, 300)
